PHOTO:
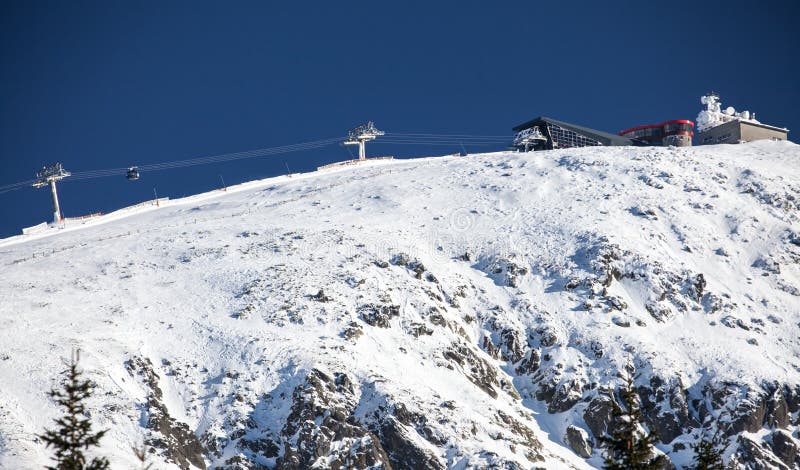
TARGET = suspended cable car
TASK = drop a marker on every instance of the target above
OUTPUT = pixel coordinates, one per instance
(133, 173)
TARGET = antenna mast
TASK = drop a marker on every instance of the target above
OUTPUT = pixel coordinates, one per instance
(360, 135)
(48, 176)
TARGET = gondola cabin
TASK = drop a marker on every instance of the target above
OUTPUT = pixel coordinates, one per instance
(133, 173)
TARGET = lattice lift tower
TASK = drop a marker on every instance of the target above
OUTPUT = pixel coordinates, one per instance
(360, 135)
(48, 176)
(529, 138)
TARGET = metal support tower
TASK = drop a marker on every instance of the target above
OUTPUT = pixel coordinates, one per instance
(528, 138)
(360, 135)
(48, 176)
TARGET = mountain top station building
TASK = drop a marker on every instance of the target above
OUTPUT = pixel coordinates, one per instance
(714, 126)
(718, 126)
(678, 132)
(544, 133)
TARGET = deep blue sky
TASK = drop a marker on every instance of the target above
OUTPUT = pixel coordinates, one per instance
(109, 84)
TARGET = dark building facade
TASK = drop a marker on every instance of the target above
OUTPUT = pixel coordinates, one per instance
(544, 133)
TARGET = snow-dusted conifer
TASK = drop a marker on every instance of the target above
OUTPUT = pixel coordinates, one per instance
(73, 434)
(707, 455)
(628, 447)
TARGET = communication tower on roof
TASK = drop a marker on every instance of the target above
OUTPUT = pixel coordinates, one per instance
(718, 125)
(714, 115)
(48, 176)
(360, 135)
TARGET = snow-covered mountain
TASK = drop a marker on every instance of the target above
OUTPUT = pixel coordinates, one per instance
(454, 312)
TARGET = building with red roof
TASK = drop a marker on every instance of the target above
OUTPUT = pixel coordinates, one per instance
(677, 132)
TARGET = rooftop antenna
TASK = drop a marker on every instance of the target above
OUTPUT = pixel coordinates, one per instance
(360, 135)
(48, 176)
(711, 100)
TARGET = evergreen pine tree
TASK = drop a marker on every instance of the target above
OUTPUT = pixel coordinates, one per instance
(628, 447)
(707, 455)
(73, 434)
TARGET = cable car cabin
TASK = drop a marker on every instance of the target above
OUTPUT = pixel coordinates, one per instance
(133, 173)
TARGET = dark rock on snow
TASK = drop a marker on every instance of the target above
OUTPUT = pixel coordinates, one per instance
(578, 441)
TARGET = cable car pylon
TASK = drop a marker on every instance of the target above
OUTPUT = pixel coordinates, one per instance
(360, 136)
(48, 176)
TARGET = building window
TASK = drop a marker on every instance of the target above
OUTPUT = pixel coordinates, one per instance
(563, 138)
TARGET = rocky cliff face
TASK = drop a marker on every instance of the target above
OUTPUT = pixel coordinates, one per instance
(450, 313)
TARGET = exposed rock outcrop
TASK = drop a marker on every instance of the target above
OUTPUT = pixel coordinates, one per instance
(178, 443)
(785, 448)
(665, 408)
(599, 412)
(378, 315)
(476, 369)
(578, 441)
(321, 432)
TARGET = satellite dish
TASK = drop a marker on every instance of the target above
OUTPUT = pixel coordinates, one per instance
(730, 111)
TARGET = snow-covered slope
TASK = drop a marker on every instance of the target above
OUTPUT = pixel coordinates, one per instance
(456, 312)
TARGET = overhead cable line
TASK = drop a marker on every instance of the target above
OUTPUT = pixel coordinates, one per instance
(389, 138)
(472, 139)
(442, 139)
(445, 135)
(441, 143)
(207, 160)
(15, 186)
(90, 174)
(399, 139)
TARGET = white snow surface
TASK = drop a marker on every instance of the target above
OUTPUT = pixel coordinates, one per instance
(215, 290)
